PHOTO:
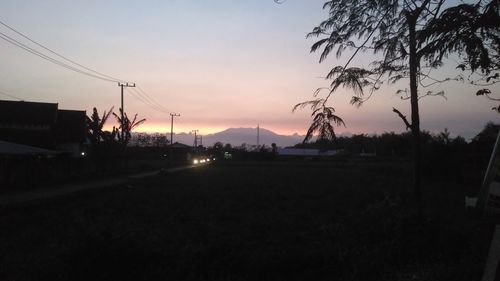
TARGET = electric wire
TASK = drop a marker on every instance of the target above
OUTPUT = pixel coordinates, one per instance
(54, 61)
(61, 56)
(138, 95)
(150, 98)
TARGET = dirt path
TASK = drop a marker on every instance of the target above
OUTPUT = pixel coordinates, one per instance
(26, 196)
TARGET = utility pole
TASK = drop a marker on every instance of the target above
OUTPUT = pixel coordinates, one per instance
(121, 85)
(258, 135)
(195, 137)
(172, 115)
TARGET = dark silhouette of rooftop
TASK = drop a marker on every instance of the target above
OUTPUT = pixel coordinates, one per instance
(40, 124)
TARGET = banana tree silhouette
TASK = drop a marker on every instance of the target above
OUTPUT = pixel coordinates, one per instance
(126, 126)
(95, 124)
(110, 137)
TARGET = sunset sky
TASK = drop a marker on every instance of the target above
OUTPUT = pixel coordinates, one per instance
(218, 63)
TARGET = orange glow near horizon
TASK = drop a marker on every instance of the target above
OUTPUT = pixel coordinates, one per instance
(164, 128)
(206, 129)
(254, 65)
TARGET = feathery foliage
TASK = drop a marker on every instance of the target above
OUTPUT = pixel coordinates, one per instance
(322, 124)
(383, 28)
(408, 39)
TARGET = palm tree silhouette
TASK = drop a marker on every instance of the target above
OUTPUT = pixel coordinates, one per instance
(95, 124)
(126, 126)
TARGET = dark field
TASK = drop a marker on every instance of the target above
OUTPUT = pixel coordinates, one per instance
(249, 221)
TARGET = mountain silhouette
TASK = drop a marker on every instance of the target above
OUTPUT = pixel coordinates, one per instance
(238, 136)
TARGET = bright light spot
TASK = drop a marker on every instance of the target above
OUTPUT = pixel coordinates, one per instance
(83, 153)
(208, 160)
(195, 161)
(214, 159)
(202, 161)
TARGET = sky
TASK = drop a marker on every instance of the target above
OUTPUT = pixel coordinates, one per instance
(217, 63)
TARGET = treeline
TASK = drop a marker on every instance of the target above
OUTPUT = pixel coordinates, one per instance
(386, 144)
(149, 140)
(444, 157)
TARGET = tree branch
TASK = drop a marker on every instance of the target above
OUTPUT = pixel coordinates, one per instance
(356, 52)
(408, 125)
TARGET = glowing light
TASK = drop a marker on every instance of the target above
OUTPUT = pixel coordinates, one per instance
(195, 161)
(83, 153)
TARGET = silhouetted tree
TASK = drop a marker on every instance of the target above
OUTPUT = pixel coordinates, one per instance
(104, 143)
(143, 139)
(322, 123)
(274, 148)
(110, 138)
(487, 94)
(126, 126)
(150, 140)
(95, 124)
(217, 149)
(488, 134)
(159, 140)
(471, 31)
(483, 143)
(405, 35)
(218, 146)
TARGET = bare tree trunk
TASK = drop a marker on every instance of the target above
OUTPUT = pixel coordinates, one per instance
(415, 118)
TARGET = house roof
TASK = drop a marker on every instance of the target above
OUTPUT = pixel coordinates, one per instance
(40, 124)
(27, 113)
(179, 145)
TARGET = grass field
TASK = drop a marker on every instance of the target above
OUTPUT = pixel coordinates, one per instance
(248, 221)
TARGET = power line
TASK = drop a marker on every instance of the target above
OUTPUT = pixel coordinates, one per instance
(141, 95)
(138, 95)
(52, 60)
(148, 102)
(151, 99)
(140, 98)
(61, 56)
(89, 72)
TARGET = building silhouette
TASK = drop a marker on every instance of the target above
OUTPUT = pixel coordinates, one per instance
(42, 125)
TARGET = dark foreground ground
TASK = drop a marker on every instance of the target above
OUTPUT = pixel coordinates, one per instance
(248, 221)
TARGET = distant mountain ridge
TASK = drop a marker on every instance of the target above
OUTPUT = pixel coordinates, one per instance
(239, 136)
